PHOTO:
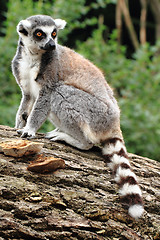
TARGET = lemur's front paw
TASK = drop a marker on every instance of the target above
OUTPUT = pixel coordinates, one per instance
(26, 133)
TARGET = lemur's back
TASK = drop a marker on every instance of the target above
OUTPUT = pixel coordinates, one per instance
(77, 71)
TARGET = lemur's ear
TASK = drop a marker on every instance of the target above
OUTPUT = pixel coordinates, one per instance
(23, 26)
(60, 24)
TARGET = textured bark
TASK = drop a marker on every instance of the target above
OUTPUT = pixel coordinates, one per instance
(78, 202)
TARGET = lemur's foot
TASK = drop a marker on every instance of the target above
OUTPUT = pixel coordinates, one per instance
(26, 133)
(58, 136)
(51, 134)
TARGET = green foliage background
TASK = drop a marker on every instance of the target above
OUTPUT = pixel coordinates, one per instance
(136, 81)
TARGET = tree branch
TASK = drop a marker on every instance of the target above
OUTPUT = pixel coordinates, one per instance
(119, 21)
(129, 24)
(155, 6)
(78, 202)
(143, 21)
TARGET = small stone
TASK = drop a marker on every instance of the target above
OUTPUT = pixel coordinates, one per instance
(35, 197)
(60, 203)
(101, 231)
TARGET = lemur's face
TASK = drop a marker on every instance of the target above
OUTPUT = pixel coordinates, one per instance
(39, 33)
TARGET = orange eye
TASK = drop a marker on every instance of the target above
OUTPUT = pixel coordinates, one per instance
(39, 34)
(54, 34)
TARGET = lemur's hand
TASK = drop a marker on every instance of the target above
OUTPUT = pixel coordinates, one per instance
(26, 133)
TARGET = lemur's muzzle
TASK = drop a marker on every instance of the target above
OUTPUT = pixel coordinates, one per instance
(50, 45)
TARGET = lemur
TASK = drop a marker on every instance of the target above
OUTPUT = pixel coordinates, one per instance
(61, 85)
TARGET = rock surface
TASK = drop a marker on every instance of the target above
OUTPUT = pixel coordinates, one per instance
(78, 202)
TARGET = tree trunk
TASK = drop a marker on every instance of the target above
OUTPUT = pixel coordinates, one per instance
(78, 202)
(129, 24)
(155, 7)
(143, 19)
(119, 22)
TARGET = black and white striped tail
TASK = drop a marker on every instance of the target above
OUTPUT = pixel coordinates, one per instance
(115, 153)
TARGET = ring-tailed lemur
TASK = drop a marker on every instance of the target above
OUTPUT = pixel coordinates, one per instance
(59, 84)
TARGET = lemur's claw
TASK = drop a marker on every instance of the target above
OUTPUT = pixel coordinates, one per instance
(19, 131)
(24, 135)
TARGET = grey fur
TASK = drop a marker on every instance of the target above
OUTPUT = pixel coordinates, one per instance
(37, 21)
(71, 108)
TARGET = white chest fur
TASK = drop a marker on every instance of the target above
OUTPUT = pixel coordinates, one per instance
(29, 68)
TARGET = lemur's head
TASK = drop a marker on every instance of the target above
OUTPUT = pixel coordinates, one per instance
(39, 33)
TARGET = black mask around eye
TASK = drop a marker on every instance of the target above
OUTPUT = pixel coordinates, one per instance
(39, 35)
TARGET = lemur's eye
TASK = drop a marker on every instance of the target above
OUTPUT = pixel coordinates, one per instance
(54, 34)
(39, 34)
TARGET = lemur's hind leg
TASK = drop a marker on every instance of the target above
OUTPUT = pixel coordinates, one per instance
(82, 119)
(57, 135)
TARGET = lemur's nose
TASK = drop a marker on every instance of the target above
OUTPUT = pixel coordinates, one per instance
(50, 45)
